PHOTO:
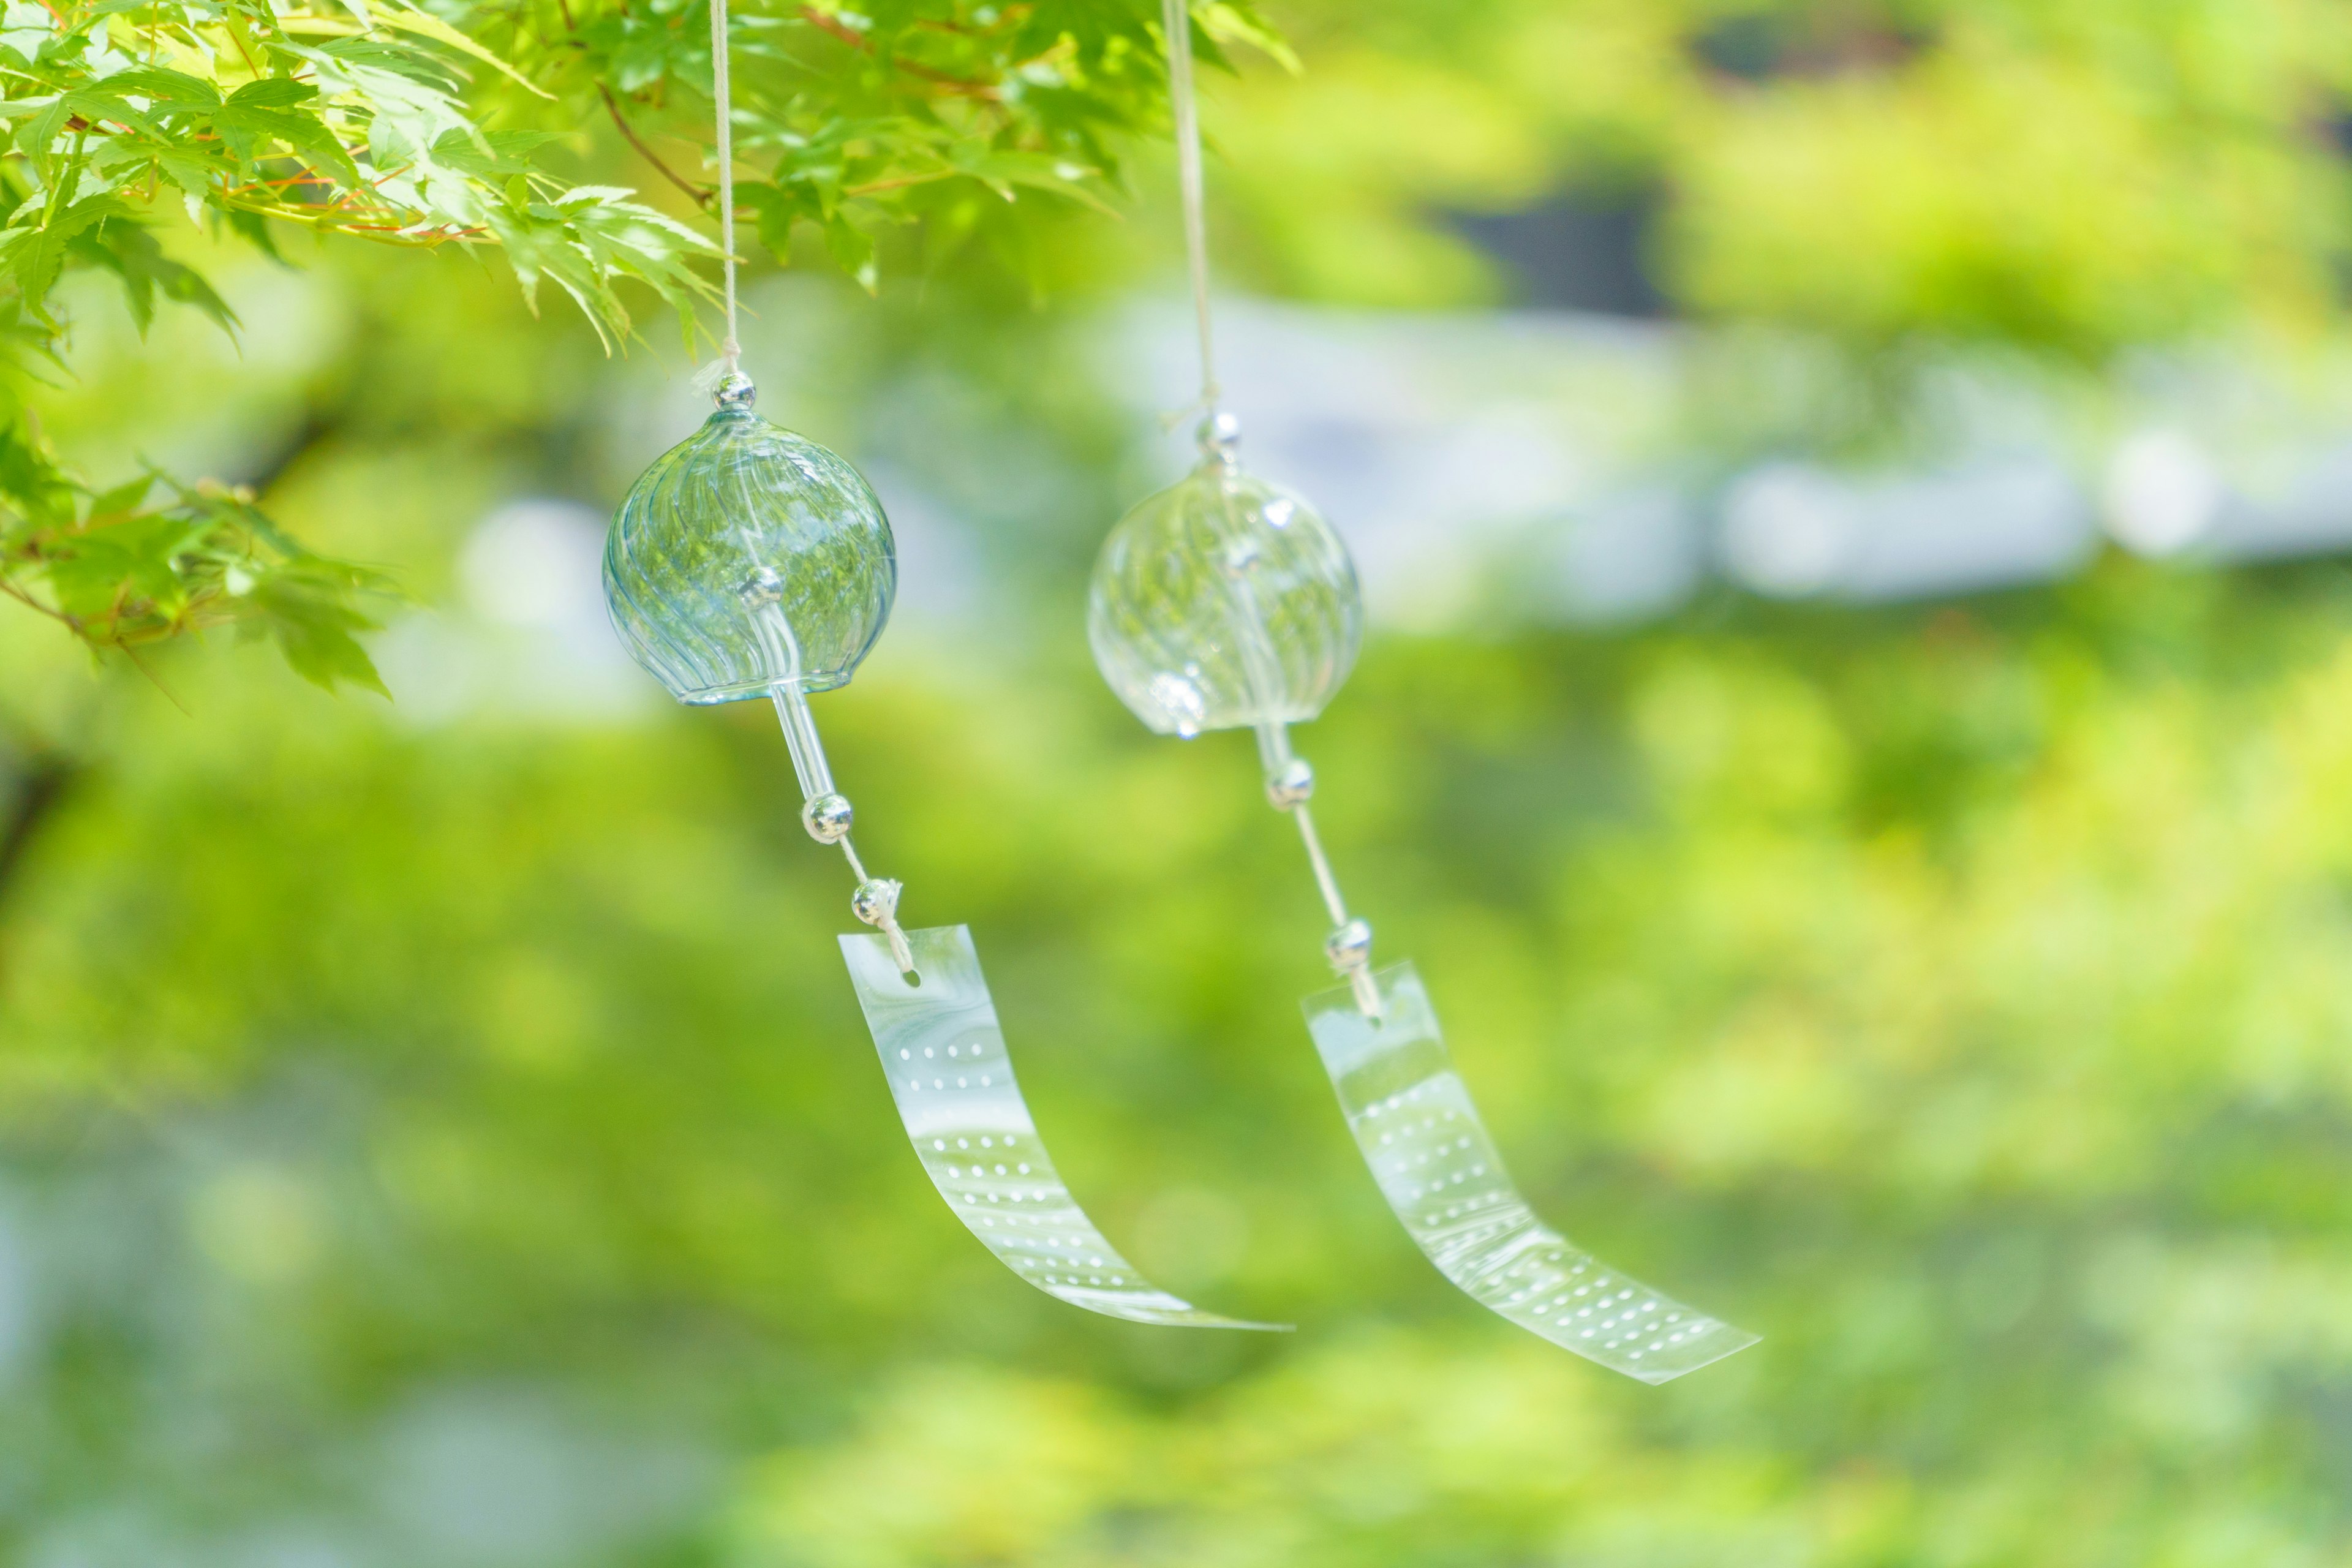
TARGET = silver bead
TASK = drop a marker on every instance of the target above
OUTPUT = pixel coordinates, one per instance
(827, 818)
(1349, 947)
(876, 900)
(1220, 435)
(1290, 784)
(735, 391)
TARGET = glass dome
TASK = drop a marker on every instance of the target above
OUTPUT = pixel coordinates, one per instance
(1224, 602)
(746, 558)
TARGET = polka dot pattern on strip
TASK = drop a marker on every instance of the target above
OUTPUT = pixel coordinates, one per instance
(1419, 1131)
(943, 1054)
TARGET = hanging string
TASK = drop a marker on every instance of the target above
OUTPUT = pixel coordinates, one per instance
(1176, 20)
(1288, 783)
(731, 351)
(1350, 943)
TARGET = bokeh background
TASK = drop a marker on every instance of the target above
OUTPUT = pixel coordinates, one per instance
(1856, 732)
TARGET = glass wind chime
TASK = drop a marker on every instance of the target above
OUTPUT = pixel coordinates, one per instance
(750, 563)
(1225, 602)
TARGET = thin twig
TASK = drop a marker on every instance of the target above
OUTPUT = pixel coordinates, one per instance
(27, 599)
(835, 26)
(868, 189)
(857, 40)
(959, 85)
(142, 667)
(701, 197)
(612, 107)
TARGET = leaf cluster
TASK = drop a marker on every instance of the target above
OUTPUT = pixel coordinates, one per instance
(154, 559)
(382, 121)
(1955, 993)
(848, 123)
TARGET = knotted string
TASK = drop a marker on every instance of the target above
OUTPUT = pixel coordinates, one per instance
(731, 351)
(1176, 20)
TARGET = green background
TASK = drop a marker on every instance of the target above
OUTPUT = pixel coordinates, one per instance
(442, 1132)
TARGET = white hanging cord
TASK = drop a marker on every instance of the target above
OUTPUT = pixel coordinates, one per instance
(1289, 779)
(1176, 20)
(1288, 783)
(828, 816)
(1321, 865)
(731, 351)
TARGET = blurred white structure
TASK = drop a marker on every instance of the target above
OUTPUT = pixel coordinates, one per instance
(1548, 465)
(1792, 529)
(2164, 492)
(1487, 469)
(527, 636)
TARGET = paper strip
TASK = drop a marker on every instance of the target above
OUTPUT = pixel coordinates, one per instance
(944, 1055)
(1419, 1131)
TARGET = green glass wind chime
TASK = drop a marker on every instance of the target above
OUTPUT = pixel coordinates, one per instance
(750, 563)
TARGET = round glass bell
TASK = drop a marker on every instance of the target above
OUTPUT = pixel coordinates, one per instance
(1224, 602)
(747, 560)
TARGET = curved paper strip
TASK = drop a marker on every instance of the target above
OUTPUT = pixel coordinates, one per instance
(944, 1055)
(1440, 1171)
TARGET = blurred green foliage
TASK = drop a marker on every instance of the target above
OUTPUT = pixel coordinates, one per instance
(1954, 995)
(357, 121)
(2073, 181)
(443, 1133)
(2077, 179)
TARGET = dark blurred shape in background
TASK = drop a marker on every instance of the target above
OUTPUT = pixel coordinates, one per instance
(1577, 251)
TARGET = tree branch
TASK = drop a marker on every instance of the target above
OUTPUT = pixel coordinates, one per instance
(701, 197)
(40, 789)
(612, 107)
(859, 41)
